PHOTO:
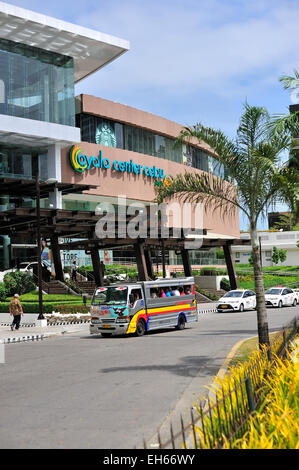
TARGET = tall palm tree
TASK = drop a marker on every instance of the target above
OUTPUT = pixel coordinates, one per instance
(253, 163)
(289, 124)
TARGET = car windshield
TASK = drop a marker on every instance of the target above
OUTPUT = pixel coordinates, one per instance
(110, 295)
(273, 291)
(233, 294)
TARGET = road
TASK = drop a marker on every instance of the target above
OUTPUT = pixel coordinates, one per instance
(82, 391)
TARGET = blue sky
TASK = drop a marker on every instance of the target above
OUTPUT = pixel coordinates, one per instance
(191, 60)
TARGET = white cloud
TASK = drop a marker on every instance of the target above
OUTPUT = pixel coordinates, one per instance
(211, 46)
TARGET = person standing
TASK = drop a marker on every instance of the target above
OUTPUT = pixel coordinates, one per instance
(15, 309)
(74, 271)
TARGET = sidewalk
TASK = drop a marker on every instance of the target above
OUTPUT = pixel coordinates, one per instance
(32, 333)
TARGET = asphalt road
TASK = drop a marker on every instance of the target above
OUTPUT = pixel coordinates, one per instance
(82, 391)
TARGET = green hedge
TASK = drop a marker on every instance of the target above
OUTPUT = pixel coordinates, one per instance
(66, 308)
(48, 307)
(49, 298)
(212, 272)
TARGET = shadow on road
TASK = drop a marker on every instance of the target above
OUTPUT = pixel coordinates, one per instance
(190, 366)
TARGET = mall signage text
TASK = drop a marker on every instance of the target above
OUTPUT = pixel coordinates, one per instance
(81, 163)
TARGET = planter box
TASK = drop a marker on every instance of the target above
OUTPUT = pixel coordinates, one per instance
(209, 282)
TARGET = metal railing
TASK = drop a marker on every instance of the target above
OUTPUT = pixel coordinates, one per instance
(224, 416)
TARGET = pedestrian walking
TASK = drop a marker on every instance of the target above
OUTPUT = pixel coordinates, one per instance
(16, 310)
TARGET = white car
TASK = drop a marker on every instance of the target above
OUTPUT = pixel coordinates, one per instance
(237, 300)
(281, 296)
(296, 291)
(25, 267)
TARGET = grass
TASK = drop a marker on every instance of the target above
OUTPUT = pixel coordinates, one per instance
(56, 298)
(247, 281)
(246, 349)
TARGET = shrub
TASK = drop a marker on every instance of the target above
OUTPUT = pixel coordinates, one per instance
(212, 272)
(276, 424)
(206, 293)
(18, 283)
(29, 307)
(67, 308)
(225, 284)
(3, 292)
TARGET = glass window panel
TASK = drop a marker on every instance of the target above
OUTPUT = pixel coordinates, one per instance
(160, 146)
(119, 134)
(129, 138)
(36, 84)
(105, 134)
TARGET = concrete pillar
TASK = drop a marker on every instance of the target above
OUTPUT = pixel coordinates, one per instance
(141, 261)
(54, 172)
(55, 253)
(149, 264)
(230, 266)
(97, 268)
(186, 262)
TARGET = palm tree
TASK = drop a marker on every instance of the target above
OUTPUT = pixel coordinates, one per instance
(289, 124)
(252, 161)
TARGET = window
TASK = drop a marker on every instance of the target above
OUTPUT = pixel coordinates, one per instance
(135, 295)
(36, 84)
(95, 129)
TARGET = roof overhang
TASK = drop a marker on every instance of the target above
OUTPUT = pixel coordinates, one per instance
(29, 132)
(90, 49)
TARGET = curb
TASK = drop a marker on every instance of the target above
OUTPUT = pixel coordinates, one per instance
(29, 325)
(208, 310)
(19, 339)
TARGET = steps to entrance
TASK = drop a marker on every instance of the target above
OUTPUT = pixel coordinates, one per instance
(55, 287)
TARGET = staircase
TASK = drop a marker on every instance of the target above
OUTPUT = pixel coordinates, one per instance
(202, 299)
(219, 292)
(55, 287)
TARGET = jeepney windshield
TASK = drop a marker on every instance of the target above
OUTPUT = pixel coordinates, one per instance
(110, 295)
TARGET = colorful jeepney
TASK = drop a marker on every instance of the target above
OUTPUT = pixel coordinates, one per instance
(135, 308)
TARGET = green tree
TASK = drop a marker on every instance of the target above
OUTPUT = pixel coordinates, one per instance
(282, 255)
(252, 160)
(275, 255)
(18, 282)
(288, 124)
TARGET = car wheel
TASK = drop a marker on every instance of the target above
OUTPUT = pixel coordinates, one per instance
(280, 304)
(181, 323)
(241, 309)
(140, 329)
(295, 303)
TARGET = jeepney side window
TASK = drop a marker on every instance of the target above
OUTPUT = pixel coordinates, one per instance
(137, 293)
(154, 293)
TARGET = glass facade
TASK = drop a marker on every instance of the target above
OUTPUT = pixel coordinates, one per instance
(36, 84)
(19, 162)
(101, 131)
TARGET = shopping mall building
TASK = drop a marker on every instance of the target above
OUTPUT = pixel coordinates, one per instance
(87, 151)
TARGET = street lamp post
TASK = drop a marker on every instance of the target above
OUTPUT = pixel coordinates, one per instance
(39, 248)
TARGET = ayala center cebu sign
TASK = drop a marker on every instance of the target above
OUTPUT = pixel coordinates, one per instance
(81, 163)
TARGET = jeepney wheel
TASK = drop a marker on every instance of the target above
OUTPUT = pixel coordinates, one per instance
(181, 322)
(106, 335)
(140, 328)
